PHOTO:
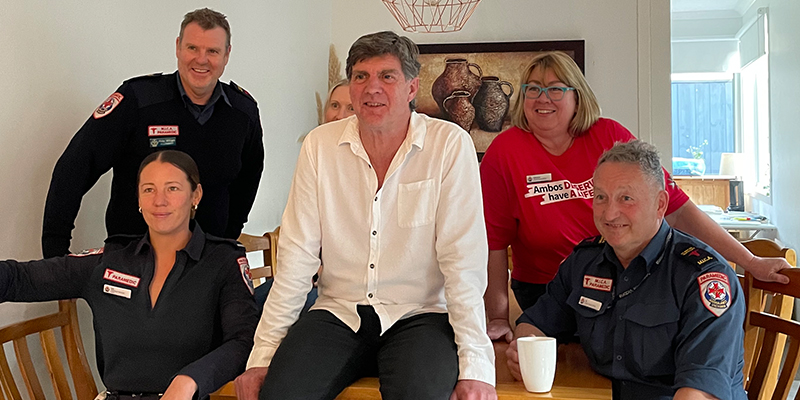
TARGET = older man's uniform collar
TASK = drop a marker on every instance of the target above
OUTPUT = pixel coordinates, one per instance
(651, 255)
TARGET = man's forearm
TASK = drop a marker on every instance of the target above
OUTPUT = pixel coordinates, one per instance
(496, 297)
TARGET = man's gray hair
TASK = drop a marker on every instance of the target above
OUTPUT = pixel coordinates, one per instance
(640, 153)
(386, 42)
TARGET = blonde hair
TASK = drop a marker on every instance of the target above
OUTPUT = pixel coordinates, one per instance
(343, 82)
(563, 66)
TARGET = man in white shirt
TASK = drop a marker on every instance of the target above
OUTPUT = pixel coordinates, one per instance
(392, 199)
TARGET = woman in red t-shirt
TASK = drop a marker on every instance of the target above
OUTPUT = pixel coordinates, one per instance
(538, 189)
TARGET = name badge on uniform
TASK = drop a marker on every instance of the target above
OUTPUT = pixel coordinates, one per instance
(163, 142)
(593, 282)
(539, 178)
(590, 303)
(119, 277)
(117, 291)
(162, 130)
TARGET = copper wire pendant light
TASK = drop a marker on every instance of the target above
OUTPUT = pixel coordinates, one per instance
(431, 16)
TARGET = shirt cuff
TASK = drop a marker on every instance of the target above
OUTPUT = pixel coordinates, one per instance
(710, 380)
(475, 368)
(261, 356)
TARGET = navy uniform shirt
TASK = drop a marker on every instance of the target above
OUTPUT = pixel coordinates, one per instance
(144, 115)
(672, 319)
(202, 324)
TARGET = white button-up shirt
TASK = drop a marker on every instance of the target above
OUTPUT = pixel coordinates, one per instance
(416, 245)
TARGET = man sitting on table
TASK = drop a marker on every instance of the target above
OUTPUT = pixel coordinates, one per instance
(658, 312)
(393, 200)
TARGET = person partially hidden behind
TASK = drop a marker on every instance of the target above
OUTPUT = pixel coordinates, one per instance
(392, 200)
(658, 312)
(190, 110)
(173, 310)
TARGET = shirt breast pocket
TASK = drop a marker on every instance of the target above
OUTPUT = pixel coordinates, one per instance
(593, 327)
(416, 205)
(650, 334)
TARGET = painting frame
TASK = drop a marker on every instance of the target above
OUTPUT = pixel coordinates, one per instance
(504, 60)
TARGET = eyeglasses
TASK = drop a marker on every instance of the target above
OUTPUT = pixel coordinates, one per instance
(554, 93)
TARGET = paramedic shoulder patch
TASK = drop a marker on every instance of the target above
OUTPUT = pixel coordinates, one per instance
(715, 292)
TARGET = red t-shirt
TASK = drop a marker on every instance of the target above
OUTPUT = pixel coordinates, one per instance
(541, 204)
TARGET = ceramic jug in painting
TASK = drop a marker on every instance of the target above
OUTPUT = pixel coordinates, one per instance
(491, 103)
(456, 76)
(460, 110)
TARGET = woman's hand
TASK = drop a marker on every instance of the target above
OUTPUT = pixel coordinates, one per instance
(182, 388)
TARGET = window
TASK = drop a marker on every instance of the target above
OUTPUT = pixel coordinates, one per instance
(703, 122)
(755, 125)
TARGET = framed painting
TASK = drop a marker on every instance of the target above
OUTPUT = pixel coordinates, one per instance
(476, 84)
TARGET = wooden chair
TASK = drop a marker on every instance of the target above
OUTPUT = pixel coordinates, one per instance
(67, 319)
(761, 301)
(774, 330)
(267, 244)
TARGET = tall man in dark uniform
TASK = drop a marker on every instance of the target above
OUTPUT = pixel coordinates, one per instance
(189, 110)
(658, 312)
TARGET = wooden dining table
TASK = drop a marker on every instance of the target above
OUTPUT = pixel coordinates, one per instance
(574, 380)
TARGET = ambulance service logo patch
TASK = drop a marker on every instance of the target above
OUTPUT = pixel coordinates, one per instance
(107, 106)
(244, 267)
(715, 292)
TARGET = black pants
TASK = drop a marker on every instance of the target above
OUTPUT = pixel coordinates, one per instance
(527, 293)
(320, 356)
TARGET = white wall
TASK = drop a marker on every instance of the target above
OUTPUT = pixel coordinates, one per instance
(617, 33)
(784, 59)
(61, 59)
(705, 56)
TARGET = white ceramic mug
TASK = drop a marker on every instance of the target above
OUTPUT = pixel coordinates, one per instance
(537, 362)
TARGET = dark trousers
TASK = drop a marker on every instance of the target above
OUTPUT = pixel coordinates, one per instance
(320, 356)
(527, 293)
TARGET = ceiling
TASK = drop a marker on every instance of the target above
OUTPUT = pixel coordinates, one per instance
(739, 6)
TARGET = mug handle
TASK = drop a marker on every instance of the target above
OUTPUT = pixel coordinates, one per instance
(510, 88)
(480, 72)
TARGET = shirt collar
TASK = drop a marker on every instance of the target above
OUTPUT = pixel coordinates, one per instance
(652, 254)
(194, 248)
(218, 92)
(417, 129)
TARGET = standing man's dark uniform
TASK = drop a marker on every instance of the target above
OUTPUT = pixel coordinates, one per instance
(190, 110)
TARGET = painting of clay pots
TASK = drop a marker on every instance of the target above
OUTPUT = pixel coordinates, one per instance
(476, 85)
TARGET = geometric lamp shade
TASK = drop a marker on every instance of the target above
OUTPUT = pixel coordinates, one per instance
(431, 16)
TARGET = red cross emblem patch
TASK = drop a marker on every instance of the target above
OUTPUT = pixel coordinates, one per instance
(715, 292)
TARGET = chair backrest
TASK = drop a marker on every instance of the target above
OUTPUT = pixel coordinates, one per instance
(774, 328)
(67, 319)
(267, 244)
(765, 301)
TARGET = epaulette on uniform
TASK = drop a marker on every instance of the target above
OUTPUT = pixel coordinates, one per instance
(148, 76)
(593, 241)
(217, 239)
(243, 91)
(122, 238)
(694, 255)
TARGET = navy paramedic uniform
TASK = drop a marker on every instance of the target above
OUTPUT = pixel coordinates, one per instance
(672, 319)
(144, 115)
(202, 324)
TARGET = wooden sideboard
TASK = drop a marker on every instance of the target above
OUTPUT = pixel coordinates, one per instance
(713, 190)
